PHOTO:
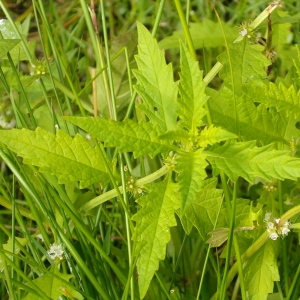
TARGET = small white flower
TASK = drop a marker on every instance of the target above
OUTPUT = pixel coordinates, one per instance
(243, 32)
(267, 216)
(56, 251)
(273, 236)
(285, 231)
(39, 236)
(274, 228)
(277, 221)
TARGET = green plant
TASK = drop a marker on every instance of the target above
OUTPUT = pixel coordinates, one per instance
(125, 207)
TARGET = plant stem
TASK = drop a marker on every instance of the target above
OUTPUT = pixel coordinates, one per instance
(127, 225)
(185, 28)
(113, 193)
(231, 208)
(284, 242)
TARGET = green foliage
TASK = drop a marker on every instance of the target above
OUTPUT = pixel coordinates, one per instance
(53, 286)
(203, 209)
(7, 45)
(190, 160)
(10, 38)
(248, 161)
(202, 35)
(250, 122)
(278, 96)
(192, 93)
(140, 138)
(152, 231)
(71, 159)
(156, 85)
(260, 281)
(243, 63)
(212, 135)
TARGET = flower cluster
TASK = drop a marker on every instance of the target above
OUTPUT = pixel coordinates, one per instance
(56, 251)
(39, 67)
(170, 161)
(132, 187)
(245, 30)
(270, 187)
(131, 184)
(275, 228)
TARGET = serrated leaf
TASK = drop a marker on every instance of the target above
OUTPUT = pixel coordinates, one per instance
(53, 287)
(211, 135)
(202, 211)
(202, 36)
(152, 229)
(190, 167)
(248, 161)
(286, 100)
(70, 159)
(261, 271)
(247, 64)
(192, 92)
(239, 115)
(128, 136)
(155, 82)
(179, 135)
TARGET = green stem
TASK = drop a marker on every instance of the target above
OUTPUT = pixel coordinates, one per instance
(22, 275)
(284, 242)
(231, 208)
(240, 267)
(25, 98)
(158, 17)
(113, 193)
(26, 184)
(292, 287)
(7, 276)
(127, 225)
(185, 28)
(289, 214)
(109, 70)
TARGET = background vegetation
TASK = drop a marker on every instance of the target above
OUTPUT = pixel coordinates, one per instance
(68, 229)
